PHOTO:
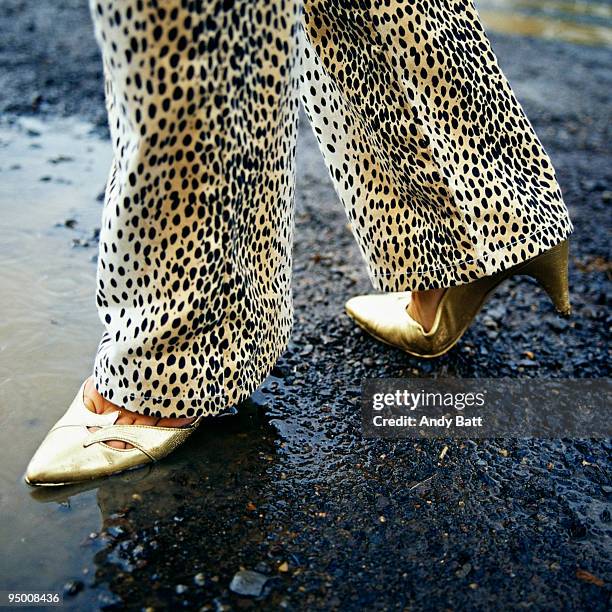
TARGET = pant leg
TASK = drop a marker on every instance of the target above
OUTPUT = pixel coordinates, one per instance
(193, 280)
(440, 172)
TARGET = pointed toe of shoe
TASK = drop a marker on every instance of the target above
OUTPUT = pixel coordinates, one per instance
(379, 314)
(36, 472)
(358, 308)
(63, 458)
(376, 311)
(40, 474)
(51, 463)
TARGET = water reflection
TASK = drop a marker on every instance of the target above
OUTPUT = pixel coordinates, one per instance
(48, 333)
(577, 8)
(577, 22)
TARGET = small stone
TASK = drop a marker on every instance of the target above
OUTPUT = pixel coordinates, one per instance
(582, 574)
(497, 313)
(464, 570)
(35, 100)
(60, 159)
(594, 185)
(109, 601)
(283, 567)
(248, 583)
(558, 324)
(138, 551)
(382, 502)
(115, 531)
(73, 587)
(180, 589)
(199, 579)
(263, 568)
(526, 363)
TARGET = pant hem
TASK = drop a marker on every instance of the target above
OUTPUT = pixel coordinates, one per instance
(179, 407)
(470, 270)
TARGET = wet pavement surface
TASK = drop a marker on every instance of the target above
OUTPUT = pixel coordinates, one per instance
(285, 504)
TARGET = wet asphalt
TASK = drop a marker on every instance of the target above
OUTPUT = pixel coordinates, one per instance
(286, 504)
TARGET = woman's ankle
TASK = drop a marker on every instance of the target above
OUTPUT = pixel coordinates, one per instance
(95, 402)
(423, 306)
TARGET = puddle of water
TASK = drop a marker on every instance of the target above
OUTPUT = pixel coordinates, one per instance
(49, 330)
(578, 22)
(577, 8)
(48, 334)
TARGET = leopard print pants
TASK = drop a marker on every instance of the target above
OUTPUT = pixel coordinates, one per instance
(441, 175)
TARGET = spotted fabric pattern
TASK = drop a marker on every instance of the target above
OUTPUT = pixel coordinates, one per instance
(440, 172)
(441, 175)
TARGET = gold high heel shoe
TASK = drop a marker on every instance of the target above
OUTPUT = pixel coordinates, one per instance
(72, 453)
(385, 316)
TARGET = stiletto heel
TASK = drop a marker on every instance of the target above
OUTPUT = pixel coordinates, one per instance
(385, 316)
(551, 271)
